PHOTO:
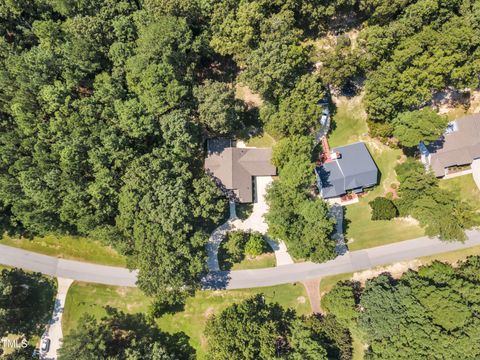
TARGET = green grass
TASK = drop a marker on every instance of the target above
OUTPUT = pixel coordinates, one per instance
(91, 298)
(261, 141)
(465, 188)
(193, 319)
(328, 282)
(348, 121)
(259, 262)
(362, 232)
(68, 247)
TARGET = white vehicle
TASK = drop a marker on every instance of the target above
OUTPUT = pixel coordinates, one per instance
(45, 345)
(325, 115)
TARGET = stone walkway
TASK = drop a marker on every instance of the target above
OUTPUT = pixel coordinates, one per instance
(255, 222)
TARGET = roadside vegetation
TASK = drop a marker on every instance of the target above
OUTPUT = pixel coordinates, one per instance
(68, 247)
(434, 302)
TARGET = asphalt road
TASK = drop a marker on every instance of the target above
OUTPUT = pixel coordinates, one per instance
(350, 262)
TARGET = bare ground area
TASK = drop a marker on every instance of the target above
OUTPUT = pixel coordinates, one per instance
(244, 93)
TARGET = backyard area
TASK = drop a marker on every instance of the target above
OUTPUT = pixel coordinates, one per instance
(92, 298)
(350, 126)
(68, 247)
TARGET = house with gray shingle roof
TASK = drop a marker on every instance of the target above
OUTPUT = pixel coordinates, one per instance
(351, 168)
(459, 146)
(235, 168)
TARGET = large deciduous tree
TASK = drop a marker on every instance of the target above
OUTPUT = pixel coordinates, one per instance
(26, 302)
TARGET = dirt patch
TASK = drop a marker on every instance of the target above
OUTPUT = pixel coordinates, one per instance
(252, 99)
(409, 220)
(475, 102)
(122, 291)
(301, 300)
(396, 270)
(209, 312)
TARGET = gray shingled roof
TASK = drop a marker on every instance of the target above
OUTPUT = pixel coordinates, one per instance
(235, 167)
(353, 170)
(457, 148)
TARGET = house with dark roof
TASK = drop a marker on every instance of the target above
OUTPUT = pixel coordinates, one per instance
(235, 168)
(459, 146)
(349, 168)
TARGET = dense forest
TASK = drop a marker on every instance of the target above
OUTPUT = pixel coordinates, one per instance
(426, 314)
(105, 106)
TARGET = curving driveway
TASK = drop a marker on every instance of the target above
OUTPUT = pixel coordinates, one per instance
(350, 262)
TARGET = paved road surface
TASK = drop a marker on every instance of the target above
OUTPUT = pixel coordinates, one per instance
(350, 262)
(68, 269)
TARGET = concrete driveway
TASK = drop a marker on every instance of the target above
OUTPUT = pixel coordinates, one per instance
(54, 331)
(476, 172)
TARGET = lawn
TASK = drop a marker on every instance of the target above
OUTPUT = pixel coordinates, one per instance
(361, 232)
(68, 247)
(465, 189)
(91, 298)
(258, 262)
(348, 121)
(261, 141)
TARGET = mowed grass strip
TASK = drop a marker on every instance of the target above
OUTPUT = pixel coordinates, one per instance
(68, 247)
(92, 298)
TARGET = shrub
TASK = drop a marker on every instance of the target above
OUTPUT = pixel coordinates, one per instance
(235, 245)
(256, 245)
(383, 209)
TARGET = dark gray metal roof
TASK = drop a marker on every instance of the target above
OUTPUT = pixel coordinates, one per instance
(354, 169)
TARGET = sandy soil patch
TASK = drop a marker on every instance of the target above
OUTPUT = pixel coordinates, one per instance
(396, 270)
(209, 312)
(409, 220)
(301, 300)
(252, 99)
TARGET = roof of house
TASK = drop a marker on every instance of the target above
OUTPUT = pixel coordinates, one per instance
(354, 169)
(235, 167)
(457, 148)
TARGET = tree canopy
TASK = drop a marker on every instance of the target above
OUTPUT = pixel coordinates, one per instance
(429, 313)
(257, 329)
(26, 302)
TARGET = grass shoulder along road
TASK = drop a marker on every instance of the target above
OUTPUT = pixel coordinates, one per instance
(92, 298)
(68, 247)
